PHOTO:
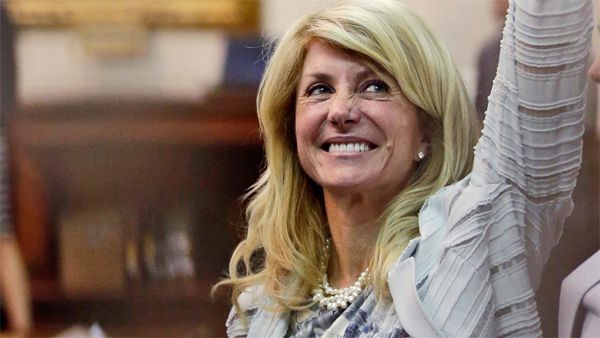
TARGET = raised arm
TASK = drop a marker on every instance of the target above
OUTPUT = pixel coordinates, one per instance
(534, 123)
(476, 274)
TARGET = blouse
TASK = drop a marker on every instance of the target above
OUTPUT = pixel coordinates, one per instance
(484, 240)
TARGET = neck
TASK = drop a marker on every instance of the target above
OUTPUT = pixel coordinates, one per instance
(354, 230)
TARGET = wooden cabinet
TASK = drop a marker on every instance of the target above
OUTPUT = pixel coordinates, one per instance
(155, 165)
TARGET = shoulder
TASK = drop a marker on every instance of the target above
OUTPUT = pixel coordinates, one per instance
(259, 316)
(457, 203)
(238, 322)
(454, 215)
(581, 284)
(251, 297)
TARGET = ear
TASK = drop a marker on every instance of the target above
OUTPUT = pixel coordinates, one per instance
(423, 149)
(427, 125)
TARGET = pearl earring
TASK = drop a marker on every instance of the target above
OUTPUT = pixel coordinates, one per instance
(421, 155)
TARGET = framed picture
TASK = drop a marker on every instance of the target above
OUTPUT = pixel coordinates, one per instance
(236, 15)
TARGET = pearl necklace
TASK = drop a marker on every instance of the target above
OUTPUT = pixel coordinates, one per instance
(331, 298)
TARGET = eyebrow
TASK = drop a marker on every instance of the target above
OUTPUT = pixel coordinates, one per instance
(319, 76)
(327, 77)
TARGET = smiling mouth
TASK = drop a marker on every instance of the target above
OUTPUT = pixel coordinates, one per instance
(359, 147)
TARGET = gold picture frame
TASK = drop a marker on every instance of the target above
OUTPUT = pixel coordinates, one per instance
(234, 15)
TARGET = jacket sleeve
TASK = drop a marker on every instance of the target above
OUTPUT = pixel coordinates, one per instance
(533, 128)
(476, 272)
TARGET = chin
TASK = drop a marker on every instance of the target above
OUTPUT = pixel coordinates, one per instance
(341, 184)
(372, 185)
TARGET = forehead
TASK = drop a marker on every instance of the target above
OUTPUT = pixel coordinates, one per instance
(324, 57)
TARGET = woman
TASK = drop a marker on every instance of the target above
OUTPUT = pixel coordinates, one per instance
(366, 221)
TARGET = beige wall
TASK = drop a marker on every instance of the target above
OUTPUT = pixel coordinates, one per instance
(54, 65)
(184, 64)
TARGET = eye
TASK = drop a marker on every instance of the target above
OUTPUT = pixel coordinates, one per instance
(375, 87)
(318, 89)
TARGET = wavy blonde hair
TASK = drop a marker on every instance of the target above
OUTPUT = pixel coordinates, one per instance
(287, 225)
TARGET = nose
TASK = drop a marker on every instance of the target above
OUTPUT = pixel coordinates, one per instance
(343, 111)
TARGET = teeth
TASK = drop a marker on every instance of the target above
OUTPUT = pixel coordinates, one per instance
(348, 147)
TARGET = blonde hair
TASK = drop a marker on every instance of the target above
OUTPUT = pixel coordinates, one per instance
(286, 221)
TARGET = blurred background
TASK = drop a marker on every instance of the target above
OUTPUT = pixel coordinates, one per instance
(132, 134)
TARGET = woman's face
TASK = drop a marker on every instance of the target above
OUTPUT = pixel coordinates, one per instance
(355, 131)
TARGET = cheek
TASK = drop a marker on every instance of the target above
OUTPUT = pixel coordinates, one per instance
(298, 127)
(306, 126)
(303, 135)
(404, 131)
